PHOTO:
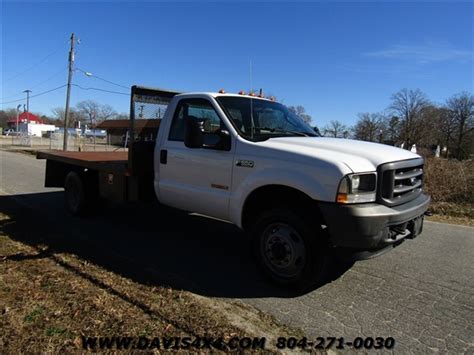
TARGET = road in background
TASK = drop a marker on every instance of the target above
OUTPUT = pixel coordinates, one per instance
(421, 294)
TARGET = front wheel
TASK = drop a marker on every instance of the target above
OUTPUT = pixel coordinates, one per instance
(291, 250)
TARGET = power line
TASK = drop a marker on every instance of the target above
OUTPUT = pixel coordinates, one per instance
(32, 96)
(34, 65)
(60, 87)
(98, 89)
(48, 79)
(98, 77)
(37, 85)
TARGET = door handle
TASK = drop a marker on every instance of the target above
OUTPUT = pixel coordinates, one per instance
(163, 156)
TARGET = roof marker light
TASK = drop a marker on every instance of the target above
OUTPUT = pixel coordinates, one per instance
(241, 92)
(221, 91)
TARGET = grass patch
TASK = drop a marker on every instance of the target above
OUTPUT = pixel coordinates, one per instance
(34, 315)
(450, 183)
(454, 213)
(54, 331)
(3, 286)
(49, 299)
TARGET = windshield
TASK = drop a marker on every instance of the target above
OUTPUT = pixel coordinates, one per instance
(259, 120)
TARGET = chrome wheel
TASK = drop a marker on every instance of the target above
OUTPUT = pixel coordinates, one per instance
(283, 249)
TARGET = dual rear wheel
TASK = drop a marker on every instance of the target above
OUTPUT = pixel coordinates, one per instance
(80, 193)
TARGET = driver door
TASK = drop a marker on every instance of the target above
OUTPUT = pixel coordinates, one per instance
(196, 179)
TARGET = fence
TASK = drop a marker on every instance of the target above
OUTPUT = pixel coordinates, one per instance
(55, 142)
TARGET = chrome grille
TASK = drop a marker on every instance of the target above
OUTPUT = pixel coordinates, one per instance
(400, 182)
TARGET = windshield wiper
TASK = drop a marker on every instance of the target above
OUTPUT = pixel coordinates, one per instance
(280, 130)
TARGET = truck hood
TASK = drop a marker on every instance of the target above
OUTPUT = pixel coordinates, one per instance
(359, 156)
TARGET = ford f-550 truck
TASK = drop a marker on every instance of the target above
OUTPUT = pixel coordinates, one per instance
(251, 161)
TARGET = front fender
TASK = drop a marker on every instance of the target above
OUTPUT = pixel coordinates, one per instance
(315, 188)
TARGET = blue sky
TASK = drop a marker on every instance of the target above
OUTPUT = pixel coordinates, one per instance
(336, 59)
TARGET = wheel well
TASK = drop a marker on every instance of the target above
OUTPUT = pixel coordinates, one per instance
(56, 173)
(274, 195)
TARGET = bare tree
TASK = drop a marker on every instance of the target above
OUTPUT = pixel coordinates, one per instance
(106, 112)
(6, 115)
(90, 109)
(369, 127)
(301, 112)
(336, 129)
(446, 129)
(74, 116)
(392, 129)
(431, 121)
(408, 106)
(461, 111)
(94, 111)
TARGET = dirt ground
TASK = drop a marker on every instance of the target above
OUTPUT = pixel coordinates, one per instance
(50, 299)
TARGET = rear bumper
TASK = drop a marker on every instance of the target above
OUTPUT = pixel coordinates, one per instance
(369, 230)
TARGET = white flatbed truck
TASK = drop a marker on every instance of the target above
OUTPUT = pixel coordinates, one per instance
(250, 161)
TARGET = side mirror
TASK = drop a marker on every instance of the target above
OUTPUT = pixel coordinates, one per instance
(193, 133)
(316, 129)
(224, 142)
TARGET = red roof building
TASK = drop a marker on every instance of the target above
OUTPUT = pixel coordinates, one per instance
(23, 117)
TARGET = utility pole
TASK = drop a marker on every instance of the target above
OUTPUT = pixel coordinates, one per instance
(17, 116)
(27, 106)
(68, 93)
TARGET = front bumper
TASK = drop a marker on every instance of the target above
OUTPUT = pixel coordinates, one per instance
(368, 230)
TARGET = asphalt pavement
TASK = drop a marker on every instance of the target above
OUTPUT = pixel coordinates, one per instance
(421, 293)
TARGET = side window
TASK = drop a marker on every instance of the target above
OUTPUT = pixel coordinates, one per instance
(199, 109)
(177, 125)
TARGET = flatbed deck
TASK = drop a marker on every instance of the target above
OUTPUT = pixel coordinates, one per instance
(92, 160)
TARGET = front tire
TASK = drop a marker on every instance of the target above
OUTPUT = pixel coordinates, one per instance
(290, 249)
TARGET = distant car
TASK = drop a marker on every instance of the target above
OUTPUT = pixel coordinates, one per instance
(90, 133)
(11, 132)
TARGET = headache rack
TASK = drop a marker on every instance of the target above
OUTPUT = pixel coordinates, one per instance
(147, 108)
(400, 182)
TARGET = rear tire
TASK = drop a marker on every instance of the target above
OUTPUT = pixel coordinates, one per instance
(75, 194)
(290, 249)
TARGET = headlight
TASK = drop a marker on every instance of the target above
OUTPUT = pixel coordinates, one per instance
(357, 188)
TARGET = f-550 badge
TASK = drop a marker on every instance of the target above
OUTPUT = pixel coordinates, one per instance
(245, 163)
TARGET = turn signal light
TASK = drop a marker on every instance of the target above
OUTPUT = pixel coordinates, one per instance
(342, 198)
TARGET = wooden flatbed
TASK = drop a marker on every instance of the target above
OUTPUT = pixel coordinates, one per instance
(117, 176)
(116, 161)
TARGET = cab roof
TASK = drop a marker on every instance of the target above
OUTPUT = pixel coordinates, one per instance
(218, 94)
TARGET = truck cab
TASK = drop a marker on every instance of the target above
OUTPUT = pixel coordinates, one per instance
(251, 161)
